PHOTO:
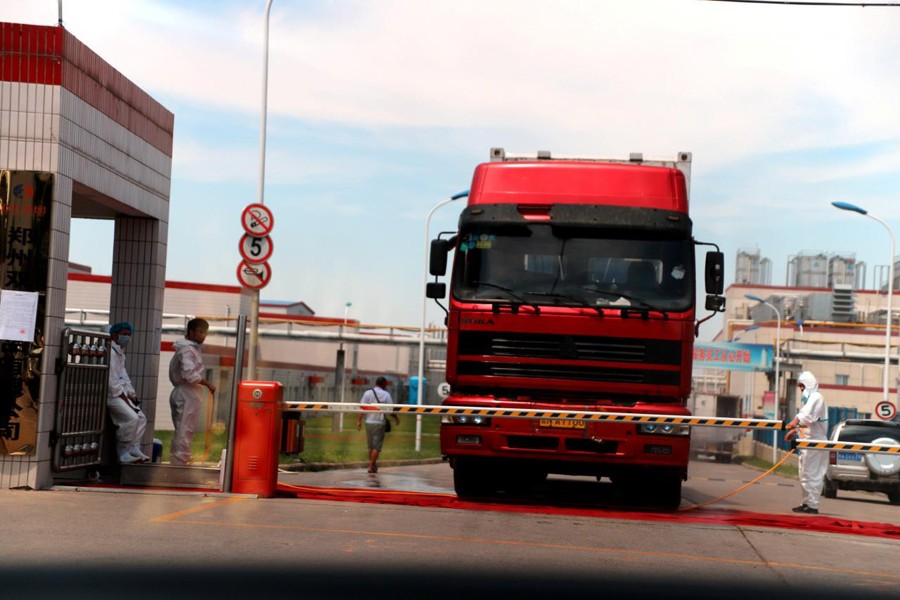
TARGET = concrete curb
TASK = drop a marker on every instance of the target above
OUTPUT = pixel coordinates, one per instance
(307, 467)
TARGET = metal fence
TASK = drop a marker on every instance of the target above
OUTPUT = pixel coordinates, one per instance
(81, 400)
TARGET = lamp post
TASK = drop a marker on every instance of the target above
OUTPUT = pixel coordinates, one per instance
(260, 193)
(421, 373)
(890, 291)
(341, 365)
(756, 298)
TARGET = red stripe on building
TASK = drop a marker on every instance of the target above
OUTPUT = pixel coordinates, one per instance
(41, 54)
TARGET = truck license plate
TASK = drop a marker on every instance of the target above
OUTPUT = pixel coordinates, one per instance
(562, 423)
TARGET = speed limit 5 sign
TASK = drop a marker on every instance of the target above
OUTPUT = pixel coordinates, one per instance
(256, 249)
(885, 410)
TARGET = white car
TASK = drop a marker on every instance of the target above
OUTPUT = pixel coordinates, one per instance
(861, 470)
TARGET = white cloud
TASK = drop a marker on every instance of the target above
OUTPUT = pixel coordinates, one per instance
(599, 74)
(374, 93)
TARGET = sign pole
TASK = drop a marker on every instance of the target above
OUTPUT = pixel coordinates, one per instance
(254, 295)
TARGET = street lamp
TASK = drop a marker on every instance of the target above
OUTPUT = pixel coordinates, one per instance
(890, 290)
(421, 373)
(341, 348)
(756, 298)
(260, 193)
(743, 331)
(340, 370)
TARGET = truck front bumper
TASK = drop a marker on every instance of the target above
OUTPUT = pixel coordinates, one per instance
(563, 446)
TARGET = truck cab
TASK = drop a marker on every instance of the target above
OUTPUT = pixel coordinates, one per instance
(572, 287)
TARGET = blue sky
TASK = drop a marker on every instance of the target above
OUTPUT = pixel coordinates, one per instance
(379, 110)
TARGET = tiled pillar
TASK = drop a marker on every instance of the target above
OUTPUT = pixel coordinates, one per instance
(138, 282)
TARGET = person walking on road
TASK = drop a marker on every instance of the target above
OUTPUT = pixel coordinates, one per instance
(375, 420)
(186, 373)
(121, 399)
(811, 423)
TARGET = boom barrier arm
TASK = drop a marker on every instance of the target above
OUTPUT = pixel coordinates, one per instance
(766, 424)
(849, 446)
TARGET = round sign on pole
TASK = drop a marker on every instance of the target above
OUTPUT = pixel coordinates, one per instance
(256, 250)
(443, 389)
(254, 276)
(257, 220)
(886, 411)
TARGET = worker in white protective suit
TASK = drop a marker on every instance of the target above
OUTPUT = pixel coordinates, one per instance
(121, 399)
(186, 372)
(811, 423)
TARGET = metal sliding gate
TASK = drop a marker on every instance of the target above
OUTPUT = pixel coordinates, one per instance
(83, 372)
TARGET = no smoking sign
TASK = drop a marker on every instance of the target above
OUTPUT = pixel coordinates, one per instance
(257, 220)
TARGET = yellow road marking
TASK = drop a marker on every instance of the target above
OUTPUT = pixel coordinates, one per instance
(193, 510)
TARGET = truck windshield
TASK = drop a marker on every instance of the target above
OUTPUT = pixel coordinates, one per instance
(536, 265)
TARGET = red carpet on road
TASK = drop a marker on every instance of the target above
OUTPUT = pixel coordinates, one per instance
(820, 523)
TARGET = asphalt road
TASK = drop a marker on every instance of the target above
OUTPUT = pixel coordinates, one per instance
(87, 544)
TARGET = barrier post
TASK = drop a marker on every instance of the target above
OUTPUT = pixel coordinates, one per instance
(258, 438)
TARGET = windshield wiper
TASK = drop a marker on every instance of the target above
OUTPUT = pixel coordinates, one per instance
(643, 304)
(581, 301)
(512, 294)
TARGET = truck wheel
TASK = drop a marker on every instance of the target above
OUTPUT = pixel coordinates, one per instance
(654, 490)
(668, 492)
(520, 479)
(471, 479)
(830, 490)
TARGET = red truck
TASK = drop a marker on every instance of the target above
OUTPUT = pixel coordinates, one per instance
(572, 289)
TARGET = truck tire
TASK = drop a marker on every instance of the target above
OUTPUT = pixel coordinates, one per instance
(668, 492)
(518, 479)
(654, 490)
(830, 490)
(884, 464)
(472, 478)
(894, 496)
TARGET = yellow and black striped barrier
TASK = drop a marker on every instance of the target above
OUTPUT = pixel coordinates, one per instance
(846, 446)
(596, 416)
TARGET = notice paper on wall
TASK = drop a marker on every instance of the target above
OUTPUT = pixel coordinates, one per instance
(18, 315)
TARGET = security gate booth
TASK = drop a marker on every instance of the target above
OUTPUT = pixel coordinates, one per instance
(101, 149)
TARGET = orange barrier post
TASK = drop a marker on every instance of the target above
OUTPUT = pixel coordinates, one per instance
(257, 438)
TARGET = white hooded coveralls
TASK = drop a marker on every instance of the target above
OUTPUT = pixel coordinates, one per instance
(185, 373)
(813, 422)
(130, 421)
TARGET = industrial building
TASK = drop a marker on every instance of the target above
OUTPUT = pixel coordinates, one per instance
(837, 333)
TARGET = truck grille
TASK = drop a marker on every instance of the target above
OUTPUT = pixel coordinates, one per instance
(573, 347)
(477, 348)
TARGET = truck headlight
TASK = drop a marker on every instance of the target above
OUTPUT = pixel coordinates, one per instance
(664, 429)
(477, 420)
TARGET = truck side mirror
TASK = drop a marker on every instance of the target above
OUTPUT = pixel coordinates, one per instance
(715, 273)
(715, 303)
(437, 264)
(435, 290)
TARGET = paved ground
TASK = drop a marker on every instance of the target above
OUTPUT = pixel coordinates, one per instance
(709, 481)
(89, 544)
